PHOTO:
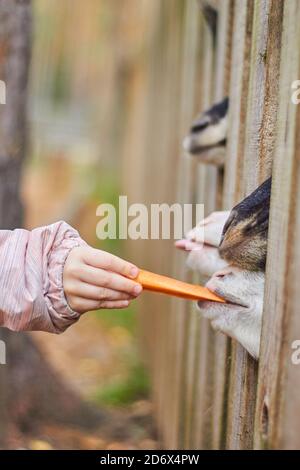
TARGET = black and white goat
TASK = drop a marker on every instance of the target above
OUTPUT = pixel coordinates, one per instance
(230, 248)
(209, 130)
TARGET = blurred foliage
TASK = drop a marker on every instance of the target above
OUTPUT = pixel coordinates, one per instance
(125, 318)
(125, 392)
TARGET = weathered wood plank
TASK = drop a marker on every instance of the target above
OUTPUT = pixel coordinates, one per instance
(186, 317)
(241, 44)
(242, 35)
(166, 168)
(201, 327)
(220, 352)
(211, 348)
(241, 40)
(259, 129)
(277, 423)
(262, 101)
(153, 170)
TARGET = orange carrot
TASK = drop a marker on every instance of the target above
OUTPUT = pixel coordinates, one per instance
(167, 285)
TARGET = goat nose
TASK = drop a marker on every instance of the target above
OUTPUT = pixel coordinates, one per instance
(220, 275)
(223, 273)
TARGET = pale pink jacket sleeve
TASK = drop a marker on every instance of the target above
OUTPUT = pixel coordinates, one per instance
(31, 285)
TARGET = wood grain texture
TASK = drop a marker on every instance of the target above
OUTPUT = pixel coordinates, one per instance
(237, 427)
(277, 422)
(192, 337)
(220, 352)
(200, 431)
(261, 114)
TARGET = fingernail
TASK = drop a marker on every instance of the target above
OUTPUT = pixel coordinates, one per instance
(137, 289)
(134, 272)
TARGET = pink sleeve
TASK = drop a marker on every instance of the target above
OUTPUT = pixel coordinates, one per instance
(31, 268)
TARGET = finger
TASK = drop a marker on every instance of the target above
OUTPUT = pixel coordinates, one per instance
(111, 304)
(102, 259)
(109, 280)
(92, 292)
(82, 305)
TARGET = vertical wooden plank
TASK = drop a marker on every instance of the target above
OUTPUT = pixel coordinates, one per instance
(183, 368)
(240, 71)
(211, 352)
(221, 350)
(239, 77)
(260, 127)
(241, 44)
(174, 61)
(167, 106)
(277, 423)
(262, 102)
(202, 381)
(157, 176)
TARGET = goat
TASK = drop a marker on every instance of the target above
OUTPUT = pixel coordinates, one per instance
(208, 130)
(233, 254)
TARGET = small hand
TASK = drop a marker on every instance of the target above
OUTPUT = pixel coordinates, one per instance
(95, 279)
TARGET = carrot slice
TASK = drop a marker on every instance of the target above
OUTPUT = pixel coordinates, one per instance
(167, 285)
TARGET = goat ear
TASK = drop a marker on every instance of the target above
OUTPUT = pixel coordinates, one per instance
(228, 223)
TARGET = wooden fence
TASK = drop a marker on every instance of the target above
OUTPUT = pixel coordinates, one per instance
(208, 392)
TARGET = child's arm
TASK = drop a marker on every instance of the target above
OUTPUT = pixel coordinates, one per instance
(45, 284)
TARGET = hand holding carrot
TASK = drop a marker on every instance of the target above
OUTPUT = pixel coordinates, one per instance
(95, 279)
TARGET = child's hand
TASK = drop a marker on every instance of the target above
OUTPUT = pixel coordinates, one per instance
(96, 279)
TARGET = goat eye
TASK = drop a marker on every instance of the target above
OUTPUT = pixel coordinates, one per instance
(249, 228)
(199, 127)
